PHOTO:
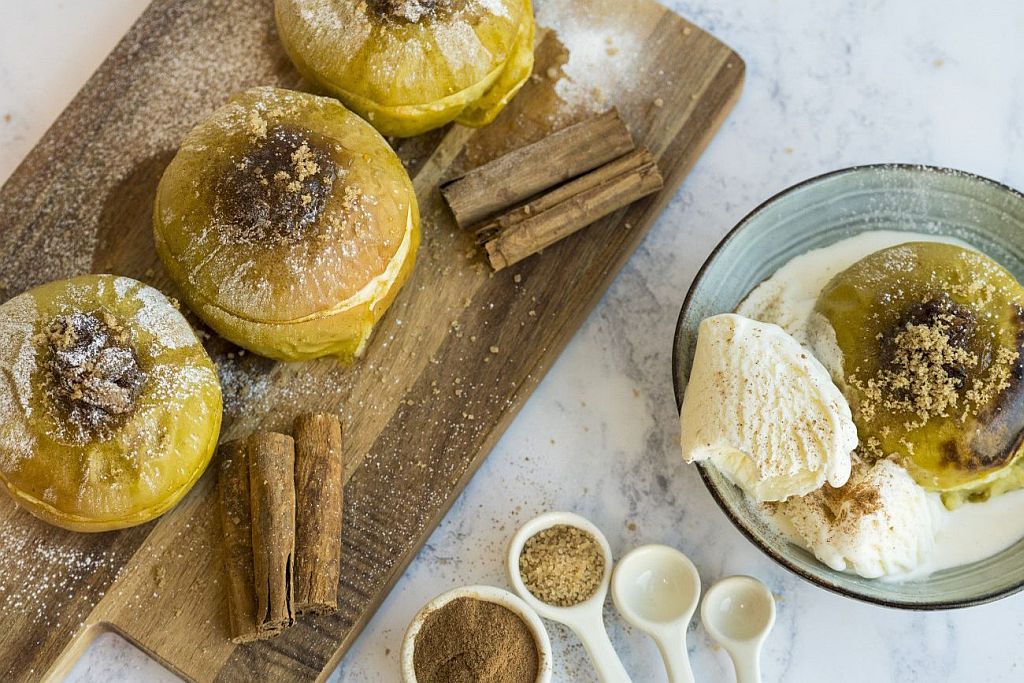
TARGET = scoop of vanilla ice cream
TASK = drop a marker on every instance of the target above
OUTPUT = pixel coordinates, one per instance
(878, 524)
(764, 411)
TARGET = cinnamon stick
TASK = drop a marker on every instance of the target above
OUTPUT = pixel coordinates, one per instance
(236, 522)
(272, 487)
(318, 484)
(524, 172)
(570, 208)
(623, 165)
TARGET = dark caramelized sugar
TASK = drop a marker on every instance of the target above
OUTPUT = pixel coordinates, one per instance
(94, 372)
(279, 188)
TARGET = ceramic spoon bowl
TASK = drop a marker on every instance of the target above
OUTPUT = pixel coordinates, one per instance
(586, 619)
(738, 612)
(656, 589)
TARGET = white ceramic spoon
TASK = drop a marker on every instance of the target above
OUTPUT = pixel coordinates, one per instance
(738, 612)
(656, 589)
(585, 619)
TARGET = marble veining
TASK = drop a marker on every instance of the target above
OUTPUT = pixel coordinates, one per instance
(828, 85)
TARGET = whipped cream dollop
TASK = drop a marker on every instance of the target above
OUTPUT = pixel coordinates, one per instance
(764, 411)
(879, 524)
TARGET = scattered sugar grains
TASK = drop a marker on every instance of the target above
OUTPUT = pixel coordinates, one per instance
(40, 573)
(598, 56)
(562, 565)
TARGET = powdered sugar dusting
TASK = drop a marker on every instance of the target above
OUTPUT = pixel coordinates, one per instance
(149, 448)
(57, 569)
(158, 317)
(602, 56)
(496, 7)
(123, 284)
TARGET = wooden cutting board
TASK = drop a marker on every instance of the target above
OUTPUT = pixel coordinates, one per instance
(431, 397)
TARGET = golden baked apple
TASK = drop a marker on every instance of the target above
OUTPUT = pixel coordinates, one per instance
(288, 224)
(109, 406)
(408, 66)
(930, 336)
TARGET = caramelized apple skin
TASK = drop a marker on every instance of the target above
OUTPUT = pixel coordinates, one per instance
(462, 60)
(129, 471)
(931, 338)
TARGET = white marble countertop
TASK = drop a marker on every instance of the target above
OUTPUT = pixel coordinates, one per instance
(829, 84)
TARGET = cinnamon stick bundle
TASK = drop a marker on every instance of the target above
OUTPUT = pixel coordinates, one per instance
(272, 500)
(528, 170)
(556, 215)
(236, 522)
(318, 482)
(606, 172)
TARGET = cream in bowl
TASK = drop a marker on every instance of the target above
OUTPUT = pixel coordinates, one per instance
(476, 633)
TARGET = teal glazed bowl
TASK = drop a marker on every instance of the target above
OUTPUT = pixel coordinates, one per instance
(816, 213)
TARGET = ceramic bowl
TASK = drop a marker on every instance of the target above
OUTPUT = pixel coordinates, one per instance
(490, 594)
(816, 213)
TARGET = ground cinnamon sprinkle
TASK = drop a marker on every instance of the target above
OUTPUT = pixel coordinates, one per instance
(468, 640)
(562, 565)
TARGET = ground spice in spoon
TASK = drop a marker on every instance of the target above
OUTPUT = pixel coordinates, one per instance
(562, 565)
(468, 640)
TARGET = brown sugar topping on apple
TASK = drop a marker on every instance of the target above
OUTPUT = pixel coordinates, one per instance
(94, 371)
(280, 187)
(410, 10)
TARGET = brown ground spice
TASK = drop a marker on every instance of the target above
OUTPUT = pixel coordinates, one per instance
(562, 566)
(475, 641)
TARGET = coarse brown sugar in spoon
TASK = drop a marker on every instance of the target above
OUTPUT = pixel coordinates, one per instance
(562, 565)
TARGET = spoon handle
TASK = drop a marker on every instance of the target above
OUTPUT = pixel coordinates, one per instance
(748, 667)
(597, 644)
(677, 661)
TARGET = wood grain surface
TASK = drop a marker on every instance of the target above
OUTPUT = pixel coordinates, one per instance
(449, 367)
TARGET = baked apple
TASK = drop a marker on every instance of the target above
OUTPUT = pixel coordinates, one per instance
(109, 406)
(288, 224)
(408, 66)
(930, 339)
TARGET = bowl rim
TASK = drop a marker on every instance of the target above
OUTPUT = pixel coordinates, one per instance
(702, 469)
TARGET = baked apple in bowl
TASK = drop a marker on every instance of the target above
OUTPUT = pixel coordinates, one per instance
(288, 224)
(929, 336)
(408, 66)
(110, 408)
